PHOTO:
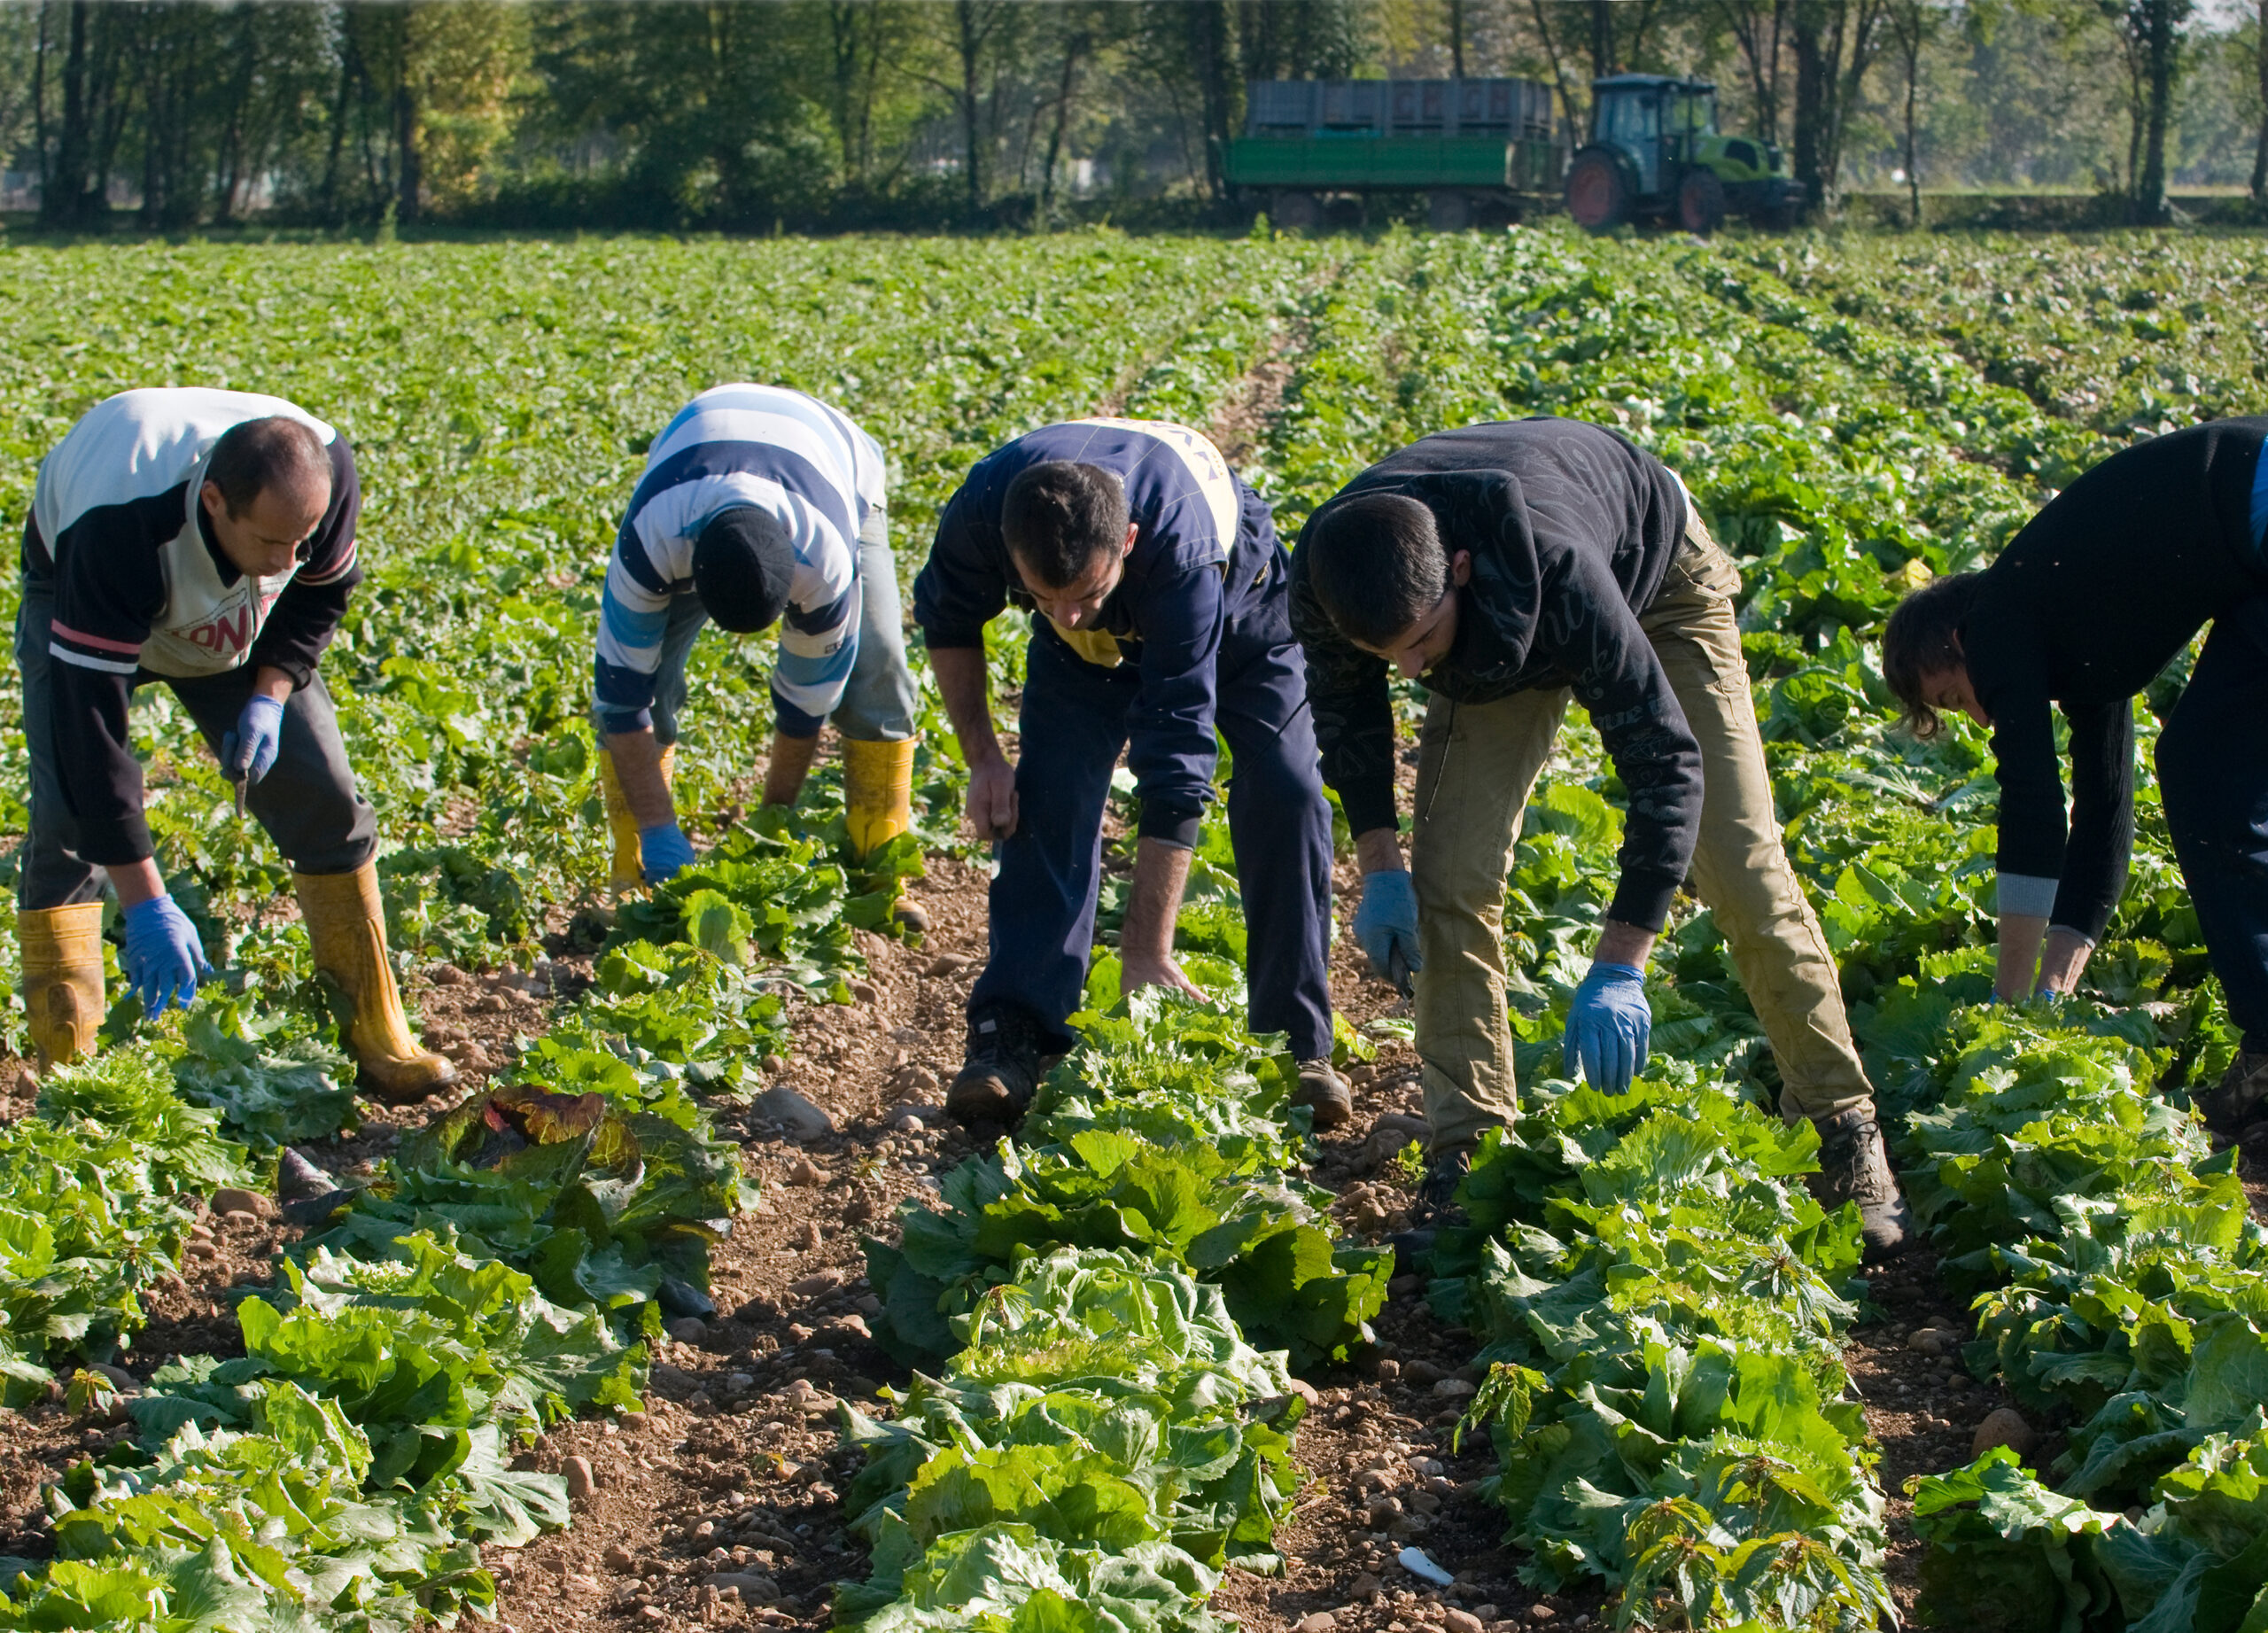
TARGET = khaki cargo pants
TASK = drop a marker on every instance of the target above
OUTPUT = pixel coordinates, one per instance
(1476, 764)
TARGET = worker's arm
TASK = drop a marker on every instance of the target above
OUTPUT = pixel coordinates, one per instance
(2018, 962)
(992, 779)
(789, 766)
(1145, 940)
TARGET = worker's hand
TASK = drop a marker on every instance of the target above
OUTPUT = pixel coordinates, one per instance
(163, 958)
(993, 798)
(248, 753)
(1609, 1026)
(1386, 922)
(1140, 969)
(663, 852)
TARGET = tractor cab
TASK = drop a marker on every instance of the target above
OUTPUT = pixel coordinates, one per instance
(1655, 151)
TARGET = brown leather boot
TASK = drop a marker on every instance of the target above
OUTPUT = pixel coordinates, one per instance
(1325, 1094)
(63, 979)
(1853, 1167)
(346, 924)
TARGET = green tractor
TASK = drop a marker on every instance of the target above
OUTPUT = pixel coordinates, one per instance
(1655, 152)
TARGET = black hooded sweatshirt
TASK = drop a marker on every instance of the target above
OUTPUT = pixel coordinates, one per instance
(1572, 529)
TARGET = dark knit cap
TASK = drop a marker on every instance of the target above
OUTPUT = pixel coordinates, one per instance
(742, 564)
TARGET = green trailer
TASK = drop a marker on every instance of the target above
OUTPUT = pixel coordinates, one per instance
(1475, 148)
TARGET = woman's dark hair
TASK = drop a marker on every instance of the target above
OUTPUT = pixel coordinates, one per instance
(1376, 564)
(1058, 516)
(1923, 638)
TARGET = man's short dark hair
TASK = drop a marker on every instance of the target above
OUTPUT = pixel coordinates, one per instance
(1376, 564)
(1923, 638)
(743, 563)
(277, 453)
(1057, 516)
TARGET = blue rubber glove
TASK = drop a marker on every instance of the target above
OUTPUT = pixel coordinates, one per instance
(663, 850)
(249, 751)
(1386, 922)
(1609, 1026)
(163, 957)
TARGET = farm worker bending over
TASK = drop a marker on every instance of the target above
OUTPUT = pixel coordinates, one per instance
(2102, 590)
(1157, 588)
(1510, 568)
(204, 539)
(759, 505)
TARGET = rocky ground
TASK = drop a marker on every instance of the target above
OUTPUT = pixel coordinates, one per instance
(720, 1504)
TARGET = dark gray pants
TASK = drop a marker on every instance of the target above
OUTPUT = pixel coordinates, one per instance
(307, 801)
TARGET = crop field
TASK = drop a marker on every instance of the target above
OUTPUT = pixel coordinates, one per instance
(624, 1337)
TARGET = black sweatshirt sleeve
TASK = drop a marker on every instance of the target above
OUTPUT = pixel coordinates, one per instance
(307, 613)
(1353, 711)
(964, 585)
(2032, 834)
(1619, 679)
(108, 587)
(2102, 817)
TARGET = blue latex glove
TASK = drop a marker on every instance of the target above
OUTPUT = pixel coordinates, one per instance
(1609, 1026)
(163, 957)
(1386, 922)
(663, 850)
(249, 751)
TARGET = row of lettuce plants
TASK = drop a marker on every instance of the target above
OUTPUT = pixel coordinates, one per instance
(1103, 1316)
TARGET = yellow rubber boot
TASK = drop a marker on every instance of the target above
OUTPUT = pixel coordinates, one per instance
(878, 793)
(878, 806)
(346, 924)
(628, 871)
(63, 979)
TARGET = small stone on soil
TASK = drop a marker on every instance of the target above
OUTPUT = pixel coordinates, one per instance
(2004, 1427)
(581, 1482)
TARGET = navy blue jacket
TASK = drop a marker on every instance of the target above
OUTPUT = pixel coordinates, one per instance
(1203, 553)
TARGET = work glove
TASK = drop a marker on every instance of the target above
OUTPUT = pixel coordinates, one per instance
(663, 850)
(248, 753)
(163, 958)
(1609, 1026)
(1386, 924)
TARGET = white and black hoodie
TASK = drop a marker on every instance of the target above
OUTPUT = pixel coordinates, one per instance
(118, 544)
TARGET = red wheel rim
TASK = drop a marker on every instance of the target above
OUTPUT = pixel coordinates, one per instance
(1590, 194)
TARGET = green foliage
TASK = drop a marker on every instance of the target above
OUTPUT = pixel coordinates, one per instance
(1164, 1134)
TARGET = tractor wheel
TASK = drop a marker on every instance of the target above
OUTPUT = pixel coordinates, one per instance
(1700, 203)
(1448, 210)
(1597, 197)
(1295, 209)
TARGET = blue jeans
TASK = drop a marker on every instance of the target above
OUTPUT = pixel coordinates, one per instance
(1074, 727)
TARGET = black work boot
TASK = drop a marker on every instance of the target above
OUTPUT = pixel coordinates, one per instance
(999, 1071)
(2240, 1098)
(1854, 1168)
(1445, 1170)
(1325, 1094)
(1437, 1208)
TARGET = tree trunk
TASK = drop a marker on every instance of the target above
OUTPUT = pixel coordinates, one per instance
(1456, 38)
(62, 201)
(1577, 134)
(1815, 90)
(971, 39)
(409, 170)
(1072, 51)
(1602, 38)
(2161, 48)
(1912, 47)
(2260, 147)
(1210, 54)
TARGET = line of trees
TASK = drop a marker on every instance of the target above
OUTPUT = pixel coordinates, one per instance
(742, 113)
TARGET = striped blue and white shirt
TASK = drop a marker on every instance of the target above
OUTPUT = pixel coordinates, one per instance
(802, 462)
